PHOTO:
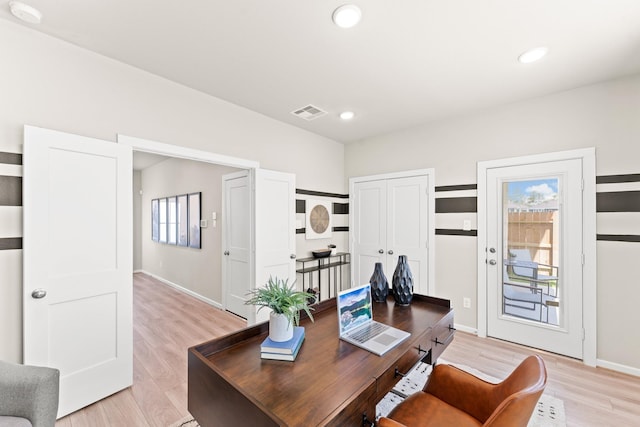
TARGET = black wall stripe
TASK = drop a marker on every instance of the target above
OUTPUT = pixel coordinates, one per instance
(613, 179)
(10, 158)
(341, 208)
(301, 230)
(10, 191)
(457, 187)
(11, 243)
(618, 237)
(453, 232)
(301, 206)
(618, 201)
(457, 204)
(321, 194)
(338, 229)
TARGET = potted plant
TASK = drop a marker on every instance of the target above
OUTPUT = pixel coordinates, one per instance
(285, 303)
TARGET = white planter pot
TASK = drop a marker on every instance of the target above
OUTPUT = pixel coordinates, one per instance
(280, 329)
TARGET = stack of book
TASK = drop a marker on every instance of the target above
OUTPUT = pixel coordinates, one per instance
(285, 350)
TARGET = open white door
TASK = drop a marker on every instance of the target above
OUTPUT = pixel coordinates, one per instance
(77, 291)
(275, 238)
(236, 242)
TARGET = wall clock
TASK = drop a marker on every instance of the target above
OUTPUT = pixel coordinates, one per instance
(318, 219)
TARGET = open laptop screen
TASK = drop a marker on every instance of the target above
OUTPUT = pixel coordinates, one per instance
(354, 308)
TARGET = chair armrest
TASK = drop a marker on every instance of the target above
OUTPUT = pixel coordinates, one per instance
(388, 422)
(463, 391)
(29, 392)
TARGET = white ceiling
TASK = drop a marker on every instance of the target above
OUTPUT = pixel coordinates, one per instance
(408, 62)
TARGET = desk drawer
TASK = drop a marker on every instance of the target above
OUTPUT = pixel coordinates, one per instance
(404, 364)
(441, 336)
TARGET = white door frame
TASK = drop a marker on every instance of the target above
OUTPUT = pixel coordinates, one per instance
(588, 158)
(431, 217)
(177, 151)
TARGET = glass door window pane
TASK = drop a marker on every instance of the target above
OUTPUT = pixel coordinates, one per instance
(183, 219)
(531, 242)
(163, 220)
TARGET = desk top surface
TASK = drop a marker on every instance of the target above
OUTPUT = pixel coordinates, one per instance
(327, 372)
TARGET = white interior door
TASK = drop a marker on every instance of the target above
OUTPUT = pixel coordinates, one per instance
(391, 217)
(369, 229)
(407, 230)
(77, 291)
(275, 227)
(535, 252)
(236, 242)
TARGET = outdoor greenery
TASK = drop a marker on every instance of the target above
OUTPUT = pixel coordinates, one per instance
(282, 298)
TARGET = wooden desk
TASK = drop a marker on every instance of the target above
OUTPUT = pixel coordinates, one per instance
(330, 383)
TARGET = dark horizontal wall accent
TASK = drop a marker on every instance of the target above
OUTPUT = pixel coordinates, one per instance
(301, 230)
(341, 208)
(618, 201)
(301, 206)
(457, 187)
(10, 158)
(11, 243)
(340, 229)
(10, 191)
(614, 179)
(618, 237)
(321, 194)
(457, 204)
(454, 232)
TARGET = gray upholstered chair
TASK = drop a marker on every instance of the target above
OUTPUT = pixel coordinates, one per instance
(28, 395)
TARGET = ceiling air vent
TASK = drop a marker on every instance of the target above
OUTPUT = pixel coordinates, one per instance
(309, 112)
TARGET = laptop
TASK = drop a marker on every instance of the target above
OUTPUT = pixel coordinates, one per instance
(357, 326)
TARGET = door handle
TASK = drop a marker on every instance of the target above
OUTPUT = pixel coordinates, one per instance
(380, 251)
(38, 293)
(292, 256)
(390, 252)
(492, 262)
(226, 252)
(492, 250)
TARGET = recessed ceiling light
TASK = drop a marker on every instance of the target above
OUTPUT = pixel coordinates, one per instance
(25, 12)
(533, 55)
(347, 16)
(347, 115)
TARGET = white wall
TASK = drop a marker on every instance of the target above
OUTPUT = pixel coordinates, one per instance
(137, 221)
(197, 270)
(605, 116)
(52, 84)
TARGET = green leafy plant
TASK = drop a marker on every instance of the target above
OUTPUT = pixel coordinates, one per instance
(282, 298)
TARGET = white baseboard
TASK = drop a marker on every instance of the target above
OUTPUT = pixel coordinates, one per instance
(618, 367)
(183, 289)
(467, 329)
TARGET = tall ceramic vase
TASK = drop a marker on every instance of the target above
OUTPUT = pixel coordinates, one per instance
(379, 284)
(402, 282)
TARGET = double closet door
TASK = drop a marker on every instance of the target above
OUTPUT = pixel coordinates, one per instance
(389, 217)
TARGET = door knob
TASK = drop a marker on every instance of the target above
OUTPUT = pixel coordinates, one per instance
(380, 251)
(292, 256)
(38, 293)
(492, 250)
(492, 261)
(226, 252)
(390, 252)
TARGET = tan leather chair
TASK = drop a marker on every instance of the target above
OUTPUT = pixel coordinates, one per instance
(453, 397)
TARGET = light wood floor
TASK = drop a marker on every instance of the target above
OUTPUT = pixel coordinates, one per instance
(167, 322)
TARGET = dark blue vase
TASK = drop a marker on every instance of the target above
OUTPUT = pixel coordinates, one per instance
(402, 282)
(379, 284)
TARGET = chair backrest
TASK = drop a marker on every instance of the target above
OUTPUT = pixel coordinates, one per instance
(519, 393)
(522, 255)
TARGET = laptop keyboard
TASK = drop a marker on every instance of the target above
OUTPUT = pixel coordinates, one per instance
(368, 332)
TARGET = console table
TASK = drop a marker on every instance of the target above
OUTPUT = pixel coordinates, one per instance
(331, 382)
(332, 264)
